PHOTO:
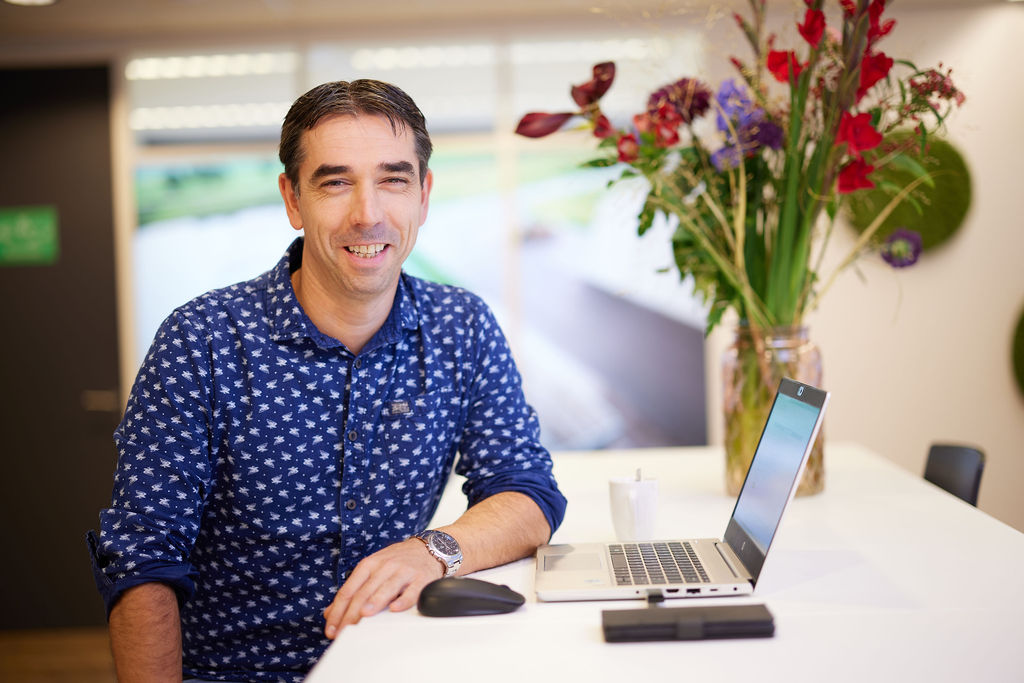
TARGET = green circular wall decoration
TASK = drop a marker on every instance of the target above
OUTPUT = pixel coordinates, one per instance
(935, 212)
(1018, 353)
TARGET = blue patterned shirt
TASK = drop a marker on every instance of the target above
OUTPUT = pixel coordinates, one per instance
(260, 460)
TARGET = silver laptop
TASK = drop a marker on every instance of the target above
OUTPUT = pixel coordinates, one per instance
(700, 567)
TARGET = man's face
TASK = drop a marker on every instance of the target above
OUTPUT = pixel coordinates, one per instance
(360, 202)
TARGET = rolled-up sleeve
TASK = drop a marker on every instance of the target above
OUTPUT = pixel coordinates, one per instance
(501, 449)
(163, 470)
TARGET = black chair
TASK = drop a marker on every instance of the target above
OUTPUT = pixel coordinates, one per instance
(957, 469)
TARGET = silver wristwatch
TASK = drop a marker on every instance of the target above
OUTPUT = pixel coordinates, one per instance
(445, 548)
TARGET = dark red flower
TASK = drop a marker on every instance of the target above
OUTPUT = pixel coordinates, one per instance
(628, 148)
(590, 92)
(538, 124)
(603, 127)
(854, 176)
(873, 68)
(813, 27)
(849, 6)
(688, 98)
(782, 64)
(857, 132)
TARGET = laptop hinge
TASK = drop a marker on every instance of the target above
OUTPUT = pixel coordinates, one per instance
(731, 561)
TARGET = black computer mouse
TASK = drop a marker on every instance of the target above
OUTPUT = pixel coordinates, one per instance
(460, 597)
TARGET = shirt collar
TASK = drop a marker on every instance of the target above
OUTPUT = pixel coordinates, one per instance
(288, 321)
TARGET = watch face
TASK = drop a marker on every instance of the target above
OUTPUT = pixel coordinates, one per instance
(444, 543)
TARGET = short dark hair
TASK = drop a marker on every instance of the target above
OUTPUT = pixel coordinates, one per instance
(360, 97)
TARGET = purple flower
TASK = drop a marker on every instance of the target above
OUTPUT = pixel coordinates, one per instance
(733, 102)
(746, 126)
(767, 133)
(902, 248)
(726, 158)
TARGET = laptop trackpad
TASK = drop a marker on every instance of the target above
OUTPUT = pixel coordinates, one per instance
(577, 561)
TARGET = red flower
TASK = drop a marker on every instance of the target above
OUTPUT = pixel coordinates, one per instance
(643, 122)
(873, 68)
(603, 127)
(666, 120)
(857, 132)
(813, 27)
(665, 134)
(876, 29)
(586, 94)
(849, 6)
(628, 148)
(854, 176)
(781, 64)
(538, 124)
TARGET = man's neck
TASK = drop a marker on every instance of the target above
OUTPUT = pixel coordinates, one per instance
(351, 322)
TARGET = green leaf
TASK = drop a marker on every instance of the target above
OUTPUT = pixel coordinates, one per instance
(904, 162)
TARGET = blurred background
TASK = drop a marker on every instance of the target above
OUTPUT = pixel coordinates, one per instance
(149, 128)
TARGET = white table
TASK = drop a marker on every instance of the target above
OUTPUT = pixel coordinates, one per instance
(883, 577)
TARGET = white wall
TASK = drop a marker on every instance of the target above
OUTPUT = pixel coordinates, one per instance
(923, 354)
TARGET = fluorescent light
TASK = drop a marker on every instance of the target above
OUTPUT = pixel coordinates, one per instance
(211, 66)
(31, 3)
(429, 57)
(251, 114)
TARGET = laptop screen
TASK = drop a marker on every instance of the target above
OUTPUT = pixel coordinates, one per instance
(792, 424)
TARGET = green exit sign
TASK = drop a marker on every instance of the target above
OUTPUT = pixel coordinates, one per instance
(28, 235)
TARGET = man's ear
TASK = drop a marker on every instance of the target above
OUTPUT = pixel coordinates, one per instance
(291, 200)
(428, 184)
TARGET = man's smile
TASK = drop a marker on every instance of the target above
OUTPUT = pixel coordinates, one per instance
(366, 250)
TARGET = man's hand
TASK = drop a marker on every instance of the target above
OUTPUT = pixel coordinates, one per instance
(498, 529)
(392, 577)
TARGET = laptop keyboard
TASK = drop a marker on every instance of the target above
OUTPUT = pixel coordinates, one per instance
(656, 563)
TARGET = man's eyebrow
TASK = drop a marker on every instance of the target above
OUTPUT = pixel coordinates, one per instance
(398, 167)
(326, 170)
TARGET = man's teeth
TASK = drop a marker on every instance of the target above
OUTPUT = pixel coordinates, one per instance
(366, 250)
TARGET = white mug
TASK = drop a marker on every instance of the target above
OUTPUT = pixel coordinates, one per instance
(634, 503)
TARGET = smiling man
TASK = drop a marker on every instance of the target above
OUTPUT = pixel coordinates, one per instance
(288, 438)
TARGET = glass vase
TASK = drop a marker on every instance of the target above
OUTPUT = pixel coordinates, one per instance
(753, 366)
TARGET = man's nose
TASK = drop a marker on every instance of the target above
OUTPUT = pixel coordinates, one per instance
(366, 208)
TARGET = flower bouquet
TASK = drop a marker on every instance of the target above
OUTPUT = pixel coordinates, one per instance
(754, 173)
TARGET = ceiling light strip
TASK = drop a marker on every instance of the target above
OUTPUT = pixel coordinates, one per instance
(209, 116)
(211, 66)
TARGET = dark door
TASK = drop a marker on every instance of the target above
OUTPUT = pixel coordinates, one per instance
(58, 346)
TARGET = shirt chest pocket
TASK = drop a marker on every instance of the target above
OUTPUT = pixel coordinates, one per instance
(417, 441)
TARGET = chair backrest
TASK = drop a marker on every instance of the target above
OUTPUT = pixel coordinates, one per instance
(957, 469)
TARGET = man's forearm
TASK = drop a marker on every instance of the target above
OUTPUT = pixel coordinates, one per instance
(502, 528)
(145, 634)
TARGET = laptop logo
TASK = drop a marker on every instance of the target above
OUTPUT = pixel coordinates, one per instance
(800, 391)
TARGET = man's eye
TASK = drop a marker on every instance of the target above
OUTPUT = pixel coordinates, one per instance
(397, 181)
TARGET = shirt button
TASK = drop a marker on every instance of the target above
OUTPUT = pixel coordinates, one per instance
(352, 436)
(358, 363)
(350, 504)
